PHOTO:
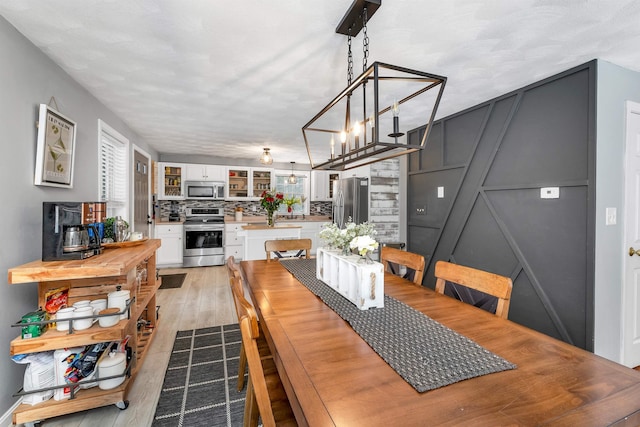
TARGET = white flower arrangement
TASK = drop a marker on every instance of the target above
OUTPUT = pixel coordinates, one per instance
(338, 238)
(364, 245)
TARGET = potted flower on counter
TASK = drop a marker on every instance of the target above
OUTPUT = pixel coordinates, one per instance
(271, 200)
(290, 201)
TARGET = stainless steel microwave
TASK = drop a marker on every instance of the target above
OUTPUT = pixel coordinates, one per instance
(204, 190)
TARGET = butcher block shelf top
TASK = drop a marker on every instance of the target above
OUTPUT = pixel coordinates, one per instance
(266, 227)
(111, 262)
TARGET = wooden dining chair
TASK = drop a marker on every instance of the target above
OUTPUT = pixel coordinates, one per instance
(266, 397)
(284, 245)
(497, 287)
(232, 269)
(392, 258)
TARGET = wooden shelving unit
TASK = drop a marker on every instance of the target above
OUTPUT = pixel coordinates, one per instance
(91, 279)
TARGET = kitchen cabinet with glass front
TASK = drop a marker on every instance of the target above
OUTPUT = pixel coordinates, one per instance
(248, 183)
(171, 181)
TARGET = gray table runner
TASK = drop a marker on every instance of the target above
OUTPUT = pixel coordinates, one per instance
(425, 353)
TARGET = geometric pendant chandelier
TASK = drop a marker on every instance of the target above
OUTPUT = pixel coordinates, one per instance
(369, 120)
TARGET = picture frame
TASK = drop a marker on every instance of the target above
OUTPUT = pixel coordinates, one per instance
(55, 153)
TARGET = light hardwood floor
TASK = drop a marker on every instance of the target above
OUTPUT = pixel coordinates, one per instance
(203, 300)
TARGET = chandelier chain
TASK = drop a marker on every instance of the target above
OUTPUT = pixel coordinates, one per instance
(365, 41)
(349, 61)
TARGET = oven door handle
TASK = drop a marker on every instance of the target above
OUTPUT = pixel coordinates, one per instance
(204, 226)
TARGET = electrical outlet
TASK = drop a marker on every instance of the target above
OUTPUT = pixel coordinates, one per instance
(253, 208)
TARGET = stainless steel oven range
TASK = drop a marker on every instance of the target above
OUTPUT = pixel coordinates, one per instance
(203, 237)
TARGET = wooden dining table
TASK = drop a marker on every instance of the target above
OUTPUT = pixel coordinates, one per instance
(334, 378)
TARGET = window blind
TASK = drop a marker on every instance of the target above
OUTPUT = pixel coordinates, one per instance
(113, 174)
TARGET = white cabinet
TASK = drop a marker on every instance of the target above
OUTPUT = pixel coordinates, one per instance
(261, 180)
(170, 252)
(248, 183)
(195, 172)
(310, 230)
(171, 181)
(322, 185)
(254, 239)
(233, 244)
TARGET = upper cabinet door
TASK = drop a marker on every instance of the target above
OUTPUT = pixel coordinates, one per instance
(261, 180)
(322, 185)
(196, 172)
(238, 183)
(171, 181)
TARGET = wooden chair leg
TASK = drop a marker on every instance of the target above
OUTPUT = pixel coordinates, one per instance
(242, 367)
(251, 411)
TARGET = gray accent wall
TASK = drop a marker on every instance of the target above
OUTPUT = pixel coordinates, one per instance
(27, 79)
(492, 160)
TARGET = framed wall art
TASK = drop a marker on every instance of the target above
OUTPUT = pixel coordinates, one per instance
(56, 149)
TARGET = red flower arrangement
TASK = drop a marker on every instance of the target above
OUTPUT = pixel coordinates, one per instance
(271, 200)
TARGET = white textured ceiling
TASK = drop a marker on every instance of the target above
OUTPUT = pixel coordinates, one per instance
(226, 78)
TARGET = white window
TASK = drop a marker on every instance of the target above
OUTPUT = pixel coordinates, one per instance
(299, 190)
(114, 158)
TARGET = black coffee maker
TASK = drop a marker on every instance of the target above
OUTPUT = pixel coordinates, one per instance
(65, 231)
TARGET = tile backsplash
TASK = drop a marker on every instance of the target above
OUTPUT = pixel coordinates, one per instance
(168, 206)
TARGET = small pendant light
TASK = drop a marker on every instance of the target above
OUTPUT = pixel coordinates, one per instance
(292, 178)
(266, 158)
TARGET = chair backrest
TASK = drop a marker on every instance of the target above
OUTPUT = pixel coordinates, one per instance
(415, 262)
(483, 281)
(232, 269)
(235, 281)
(279, 246)
(257, 382)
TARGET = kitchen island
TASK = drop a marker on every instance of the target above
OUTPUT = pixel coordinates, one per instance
(256, 234)
(89, 279)
(311, 225)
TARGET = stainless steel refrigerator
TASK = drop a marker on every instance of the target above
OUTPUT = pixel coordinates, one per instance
(350, 200)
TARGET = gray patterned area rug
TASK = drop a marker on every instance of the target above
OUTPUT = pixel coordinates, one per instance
(200, 384)
(425, 353)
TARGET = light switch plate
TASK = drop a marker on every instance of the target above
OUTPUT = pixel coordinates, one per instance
(611, 216)
(440, 192)
(550, 192)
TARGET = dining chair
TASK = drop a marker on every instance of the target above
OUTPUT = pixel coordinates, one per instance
(284, 245)
(266, 397)
(392, 258)
(495, 289)
(232, 268)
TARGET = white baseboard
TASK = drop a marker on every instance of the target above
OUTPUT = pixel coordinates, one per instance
(7, 420)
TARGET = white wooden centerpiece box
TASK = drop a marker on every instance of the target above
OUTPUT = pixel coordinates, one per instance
(360, 282)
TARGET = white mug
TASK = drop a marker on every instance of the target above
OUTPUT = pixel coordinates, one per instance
(83, 303)
(64, 313)
(98, 305)
(82, 324)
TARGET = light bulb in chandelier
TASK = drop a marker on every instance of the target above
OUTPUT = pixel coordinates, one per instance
(396, 121)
